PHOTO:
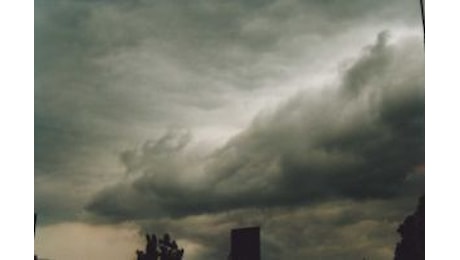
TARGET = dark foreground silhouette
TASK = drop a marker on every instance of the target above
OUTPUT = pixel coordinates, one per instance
(245, 244)
(412, 231)
(162, 249)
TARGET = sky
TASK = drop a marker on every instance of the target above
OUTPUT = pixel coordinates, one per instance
(303, 117)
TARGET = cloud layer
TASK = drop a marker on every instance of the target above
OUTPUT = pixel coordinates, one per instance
(197, 118)
(362, 140)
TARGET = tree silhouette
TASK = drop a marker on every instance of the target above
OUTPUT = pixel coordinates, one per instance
(162, 249)
(412, 231)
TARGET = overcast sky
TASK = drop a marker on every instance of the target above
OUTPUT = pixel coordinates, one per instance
(196, 117)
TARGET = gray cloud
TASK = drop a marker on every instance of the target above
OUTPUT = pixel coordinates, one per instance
(112, 74)
(362, 141)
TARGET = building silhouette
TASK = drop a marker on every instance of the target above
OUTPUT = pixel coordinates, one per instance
(245, 244)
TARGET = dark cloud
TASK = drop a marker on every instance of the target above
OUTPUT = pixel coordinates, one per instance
(362, 141)
(103, 68)
(328, 162)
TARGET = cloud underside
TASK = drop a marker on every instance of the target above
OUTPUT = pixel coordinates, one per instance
(103, 83)
(361, 140)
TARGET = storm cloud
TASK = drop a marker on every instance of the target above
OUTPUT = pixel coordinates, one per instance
(304, 117)
(362, 140)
